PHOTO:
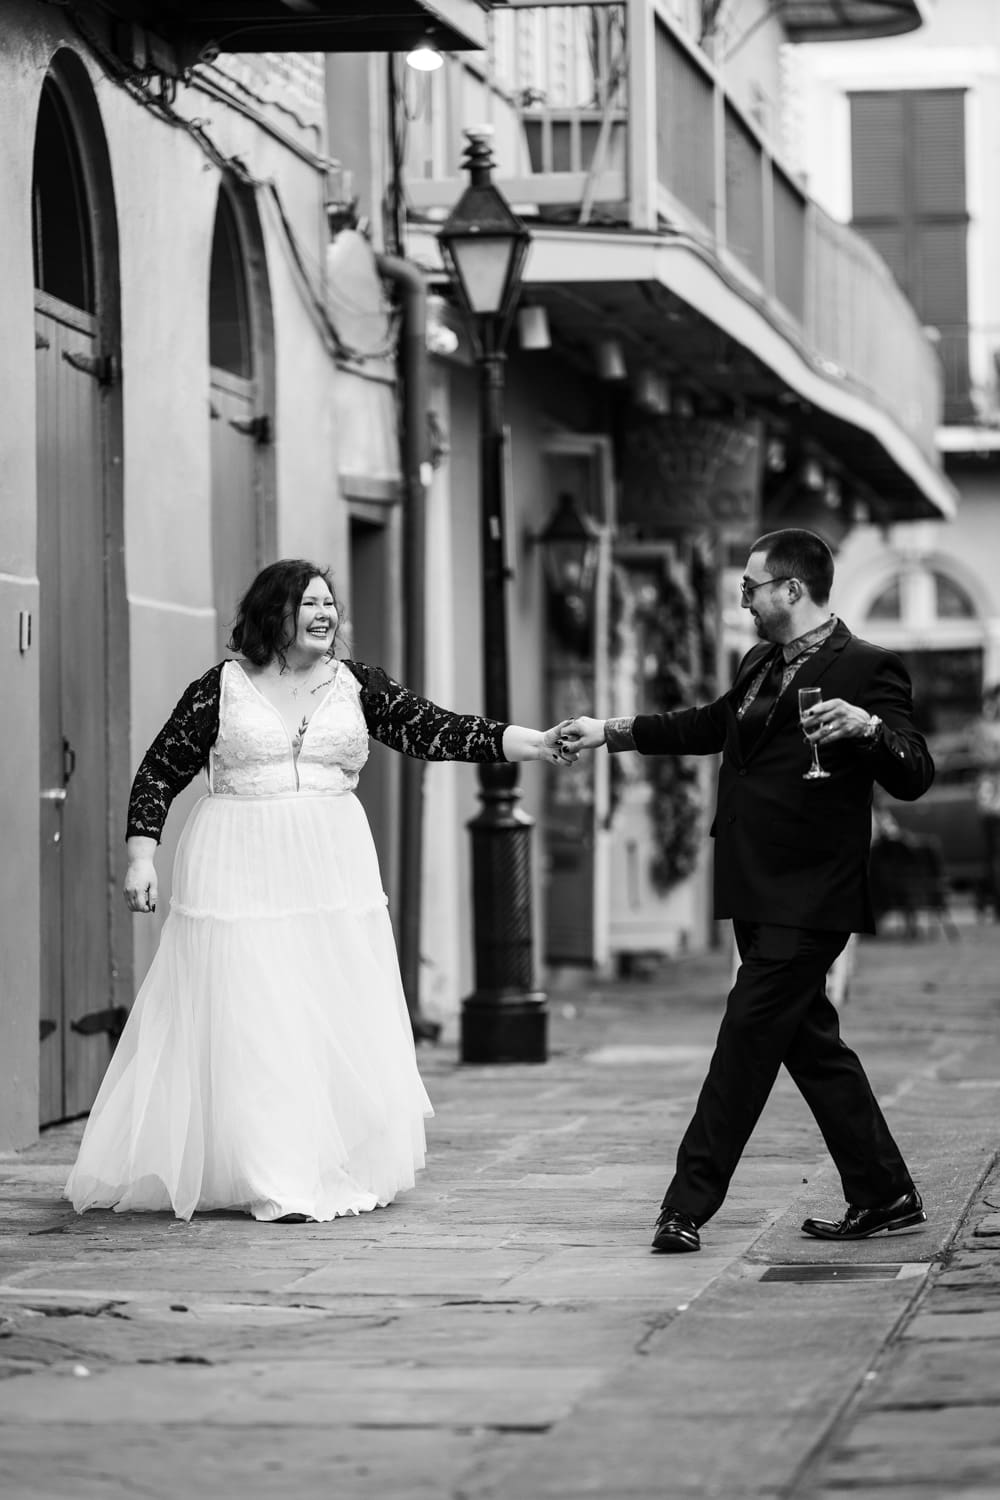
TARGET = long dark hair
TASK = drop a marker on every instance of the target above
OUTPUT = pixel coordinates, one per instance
(267, 613)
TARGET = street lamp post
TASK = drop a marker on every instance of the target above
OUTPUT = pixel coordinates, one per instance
(484, 245)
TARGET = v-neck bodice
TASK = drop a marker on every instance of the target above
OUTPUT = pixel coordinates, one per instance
(254, 756)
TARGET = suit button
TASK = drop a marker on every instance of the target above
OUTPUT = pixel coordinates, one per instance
(743, 771)
(731, 818)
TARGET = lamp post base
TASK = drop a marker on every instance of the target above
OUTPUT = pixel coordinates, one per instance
(505, 1019)
(505, 1028)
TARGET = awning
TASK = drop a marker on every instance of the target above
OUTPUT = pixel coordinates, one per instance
(850, 20)
(307, 25)
(683, 312)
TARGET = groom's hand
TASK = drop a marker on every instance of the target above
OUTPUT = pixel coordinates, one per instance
(583, 734)
(555, 750)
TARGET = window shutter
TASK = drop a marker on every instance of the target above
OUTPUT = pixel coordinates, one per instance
(908, 173)
(878, 158)
(937, 130)
(939, 256)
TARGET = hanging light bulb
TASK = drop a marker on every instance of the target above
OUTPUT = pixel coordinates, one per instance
(425, 58)
(652, 393)
(610, 359)
(533, 327)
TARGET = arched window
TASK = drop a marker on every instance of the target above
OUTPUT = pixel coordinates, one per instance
(889, 604)
(951, 601)
(930, 619)
(230, 340)
(60, 214)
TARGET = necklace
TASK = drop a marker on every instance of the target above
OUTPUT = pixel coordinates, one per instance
(295, 688)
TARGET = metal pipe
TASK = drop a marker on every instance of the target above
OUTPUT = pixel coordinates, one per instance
(413, 399)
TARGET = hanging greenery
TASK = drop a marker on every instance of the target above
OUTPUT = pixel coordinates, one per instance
(665, 609)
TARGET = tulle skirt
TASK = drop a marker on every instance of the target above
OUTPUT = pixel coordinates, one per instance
(268, 1062)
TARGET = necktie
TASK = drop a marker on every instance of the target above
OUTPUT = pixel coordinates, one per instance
(757, 715)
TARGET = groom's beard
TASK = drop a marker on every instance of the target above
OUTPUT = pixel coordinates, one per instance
(775, 628)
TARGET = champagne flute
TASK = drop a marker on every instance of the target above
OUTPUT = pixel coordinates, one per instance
(808, 698)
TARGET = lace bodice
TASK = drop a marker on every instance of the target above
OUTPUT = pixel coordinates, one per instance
(253, 755)
(392, 714)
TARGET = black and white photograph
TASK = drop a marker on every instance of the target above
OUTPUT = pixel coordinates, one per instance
(500, 791)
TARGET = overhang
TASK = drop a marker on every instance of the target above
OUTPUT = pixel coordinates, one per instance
(850, 20)
(672, 305)
(306, 25)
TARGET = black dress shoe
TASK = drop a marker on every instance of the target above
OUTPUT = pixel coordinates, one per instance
(906, 1212)
(675, 1231)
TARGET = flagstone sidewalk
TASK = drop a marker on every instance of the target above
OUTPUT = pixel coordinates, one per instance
(503, 1333)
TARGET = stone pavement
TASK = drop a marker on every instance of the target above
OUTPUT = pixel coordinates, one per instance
(503, 1333)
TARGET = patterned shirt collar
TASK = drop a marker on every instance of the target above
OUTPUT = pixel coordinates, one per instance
(791, 649)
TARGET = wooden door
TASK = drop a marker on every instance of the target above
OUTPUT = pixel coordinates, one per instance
(76, 985)
(236, 549)
(370, 633)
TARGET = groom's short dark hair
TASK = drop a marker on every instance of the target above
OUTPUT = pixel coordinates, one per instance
(794, 553)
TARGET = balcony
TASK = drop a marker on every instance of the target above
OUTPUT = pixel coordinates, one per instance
(623, 148)
(970, 368)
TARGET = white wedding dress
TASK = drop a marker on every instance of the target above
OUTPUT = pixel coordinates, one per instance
(268, 1063)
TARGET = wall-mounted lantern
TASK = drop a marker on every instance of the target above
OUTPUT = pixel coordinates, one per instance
(570, 548)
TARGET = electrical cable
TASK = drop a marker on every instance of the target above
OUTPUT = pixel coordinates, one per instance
(161, 107)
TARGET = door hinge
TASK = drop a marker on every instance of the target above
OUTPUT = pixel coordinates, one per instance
(112, 1020)
(46, 1028)
(259, 428)
(103, 367)
(41, 342)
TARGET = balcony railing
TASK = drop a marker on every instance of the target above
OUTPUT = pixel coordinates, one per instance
(610, 114)
(970, 364)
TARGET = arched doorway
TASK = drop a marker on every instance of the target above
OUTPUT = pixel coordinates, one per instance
(240, 355)
(82, 633)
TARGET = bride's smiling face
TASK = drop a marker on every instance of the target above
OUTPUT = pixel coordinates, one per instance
(317, 620)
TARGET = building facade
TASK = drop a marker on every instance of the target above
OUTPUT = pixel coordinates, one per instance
(702, 352)
(901, 138)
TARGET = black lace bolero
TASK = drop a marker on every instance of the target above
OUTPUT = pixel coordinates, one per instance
(394, 715)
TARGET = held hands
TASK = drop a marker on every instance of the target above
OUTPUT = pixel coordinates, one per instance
(140, 886)
(835, 719)
(582, 733)
(554, 749)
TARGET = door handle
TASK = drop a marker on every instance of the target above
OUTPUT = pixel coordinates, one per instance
(54, 794)
(259, 428)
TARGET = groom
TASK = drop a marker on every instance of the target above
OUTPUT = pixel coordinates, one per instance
(791, 860)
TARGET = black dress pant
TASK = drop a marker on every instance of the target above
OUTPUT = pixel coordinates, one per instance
(778, 1012)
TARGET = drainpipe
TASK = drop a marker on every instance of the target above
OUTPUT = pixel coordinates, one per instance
(412, 370)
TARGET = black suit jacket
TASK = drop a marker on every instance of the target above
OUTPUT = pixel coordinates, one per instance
(789, 851)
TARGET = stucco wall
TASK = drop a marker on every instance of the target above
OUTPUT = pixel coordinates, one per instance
(165, 191)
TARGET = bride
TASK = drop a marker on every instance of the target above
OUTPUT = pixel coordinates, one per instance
(268, 1062)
